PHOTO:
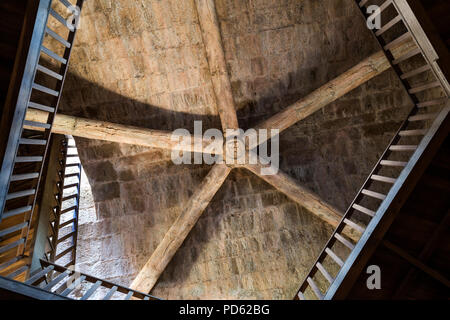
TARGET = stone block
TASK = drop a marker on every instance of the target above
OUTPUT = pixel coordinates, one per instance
(106, 191)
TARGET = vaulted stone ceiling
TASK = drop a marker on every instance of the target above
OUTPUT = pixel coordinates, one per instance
(143, 63)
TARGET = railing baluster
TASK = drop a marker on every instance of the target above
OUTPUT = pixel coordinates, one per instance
(75, 278)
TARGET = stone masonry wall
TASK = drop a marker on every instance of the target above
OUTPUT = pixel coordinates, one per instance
(143, 63)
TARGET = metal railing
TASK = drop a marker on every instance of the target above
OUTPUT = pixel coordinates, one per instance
(67, 283)
(412, 135)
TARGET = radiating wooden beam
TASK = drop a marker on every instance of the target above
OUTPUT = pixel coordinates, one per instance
(212, 40)
(333, 90)
(108, 131)
(425, 254)
(180, 229)
(305, 198)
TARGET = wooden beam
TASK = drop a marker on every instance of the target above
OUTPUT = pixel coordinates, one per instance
(10, 289)
(387, 212)
(212, 40)
(333, 90)
(180, 229)
(305, 198)
(417, 263)
(426, 38)
(108, 131)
